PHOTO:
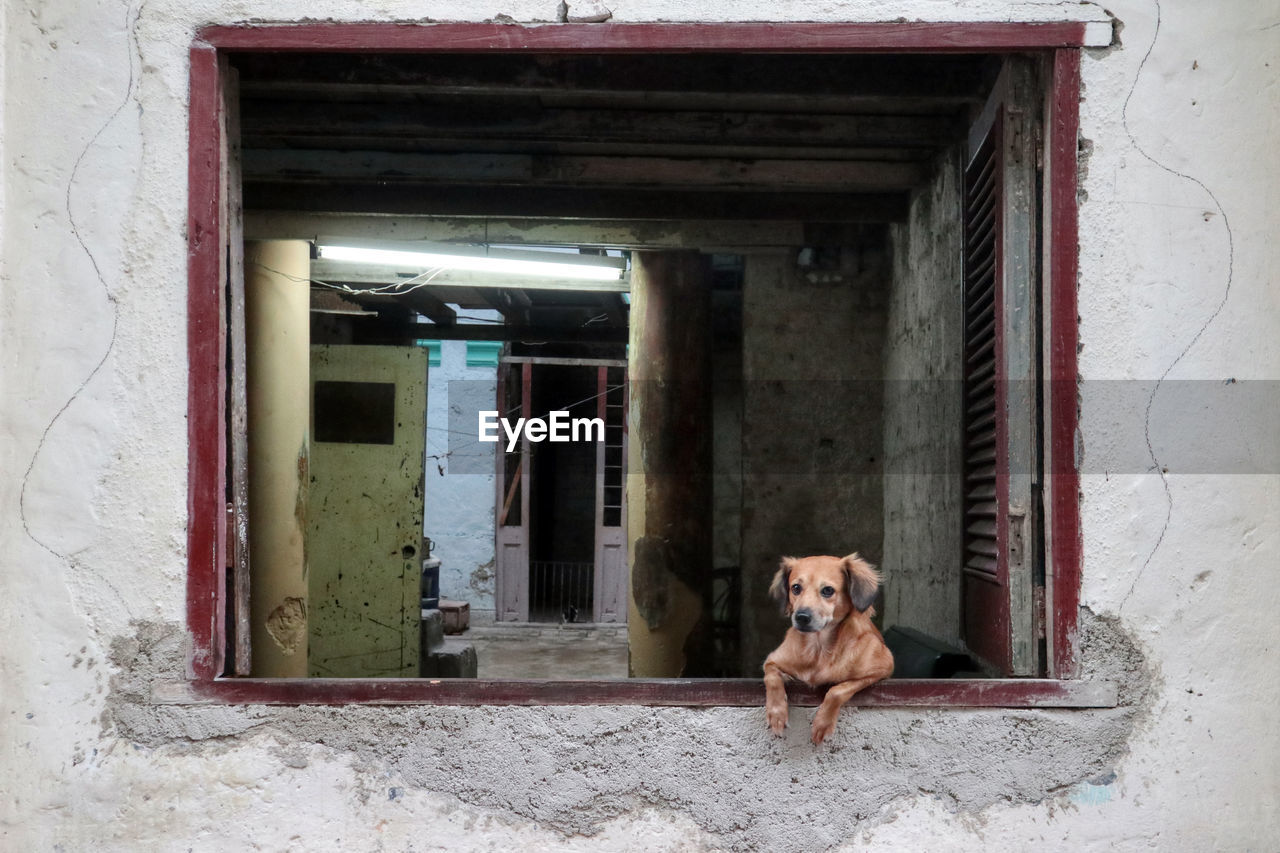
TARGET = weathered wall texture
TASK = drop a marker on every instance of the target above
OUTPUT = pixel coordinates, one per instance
(459, 476)
(1178, 263)
(812, 342)
(922, 453)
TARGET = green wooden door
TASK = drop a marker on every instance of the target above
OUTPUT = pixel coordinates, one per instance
(364, 511)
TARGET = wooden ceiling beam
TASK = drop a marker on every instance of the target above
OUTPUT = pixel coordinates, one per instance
(487, 121)
(431, 145)
(512, 304)
(652, 234)
(833, 176)
(801, 103)
(335, 196)
(322, 76)
(428, 306)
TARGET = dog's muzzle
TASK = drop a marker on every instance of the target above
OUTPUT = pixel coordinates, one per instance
(803, 620)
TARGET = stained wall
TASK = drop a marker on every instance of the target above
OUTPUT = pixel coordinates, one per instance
(922, 410)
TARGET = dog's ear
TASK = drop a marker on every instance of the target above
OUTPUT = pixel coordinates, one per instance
(861, 581)
(782, 580)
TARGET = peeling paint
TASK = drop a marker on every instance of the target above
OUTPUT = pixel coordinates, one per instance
(651, 579)
(481, 582)
(287, 624)
(300, 503)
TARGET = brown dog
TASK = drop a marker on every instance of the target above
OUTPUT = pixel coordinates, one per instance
(831, 639)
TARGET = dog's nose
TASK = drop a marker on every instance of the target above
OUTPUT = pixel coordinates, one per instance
(802, 618)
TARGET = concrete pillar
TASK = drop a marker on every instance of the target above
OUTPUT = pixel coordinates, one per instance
(669, 465)
(278, 344)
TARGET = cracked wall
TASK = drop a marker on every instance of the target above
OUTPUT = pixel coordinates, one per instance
(1179, 566)
(574, 770)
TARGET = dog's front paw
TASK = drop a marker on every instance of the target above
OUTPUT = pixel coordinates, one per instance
(823, 726)
(777, 716)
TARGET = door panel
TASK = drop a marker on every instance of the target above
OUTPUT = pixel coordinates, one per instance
(364, 513)
(511, 572)
(610, 594)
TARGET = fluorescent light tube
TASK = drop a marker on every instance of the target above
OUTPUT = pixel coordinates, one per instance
(506, 263)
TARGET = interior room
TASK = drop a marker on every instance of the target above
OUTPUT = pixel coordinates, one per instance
(793, 357)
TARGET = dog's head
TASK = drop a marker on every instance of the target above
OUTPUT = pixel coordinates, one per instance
(820, 591)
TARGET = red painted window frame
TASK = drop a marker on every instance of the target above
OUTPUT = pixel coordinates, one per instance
(206, 413)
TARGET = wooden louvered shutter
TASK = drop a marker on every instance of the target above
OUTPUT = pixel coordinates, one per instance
(1001, 421)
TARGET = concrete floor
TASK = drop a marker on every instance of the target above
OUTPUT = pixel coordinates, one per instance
(543, 650)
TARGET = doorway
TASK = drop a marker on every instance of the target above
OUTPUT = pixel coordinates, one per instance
(561, 514)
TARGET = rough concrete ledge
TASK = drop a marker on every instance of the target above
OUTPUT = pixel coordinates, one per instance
(897, 693)
(574, 768)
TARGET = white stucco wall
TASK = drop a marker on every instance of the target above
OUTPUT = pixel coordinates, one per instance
(1178, 262)
(459, 511)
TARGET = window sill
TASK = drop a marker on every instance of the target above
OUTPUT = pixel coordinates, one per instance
(895, 693)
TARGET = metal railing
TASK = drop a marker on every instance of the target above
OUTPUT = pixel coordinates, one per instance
(560, 591)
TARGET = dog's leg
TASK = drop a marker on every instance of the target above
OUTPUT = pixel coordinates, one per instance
(824, 722)
(775, 698)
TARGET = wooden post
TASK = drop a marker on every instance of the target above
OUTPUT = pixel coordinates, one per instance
(669, 465)
(278, 343)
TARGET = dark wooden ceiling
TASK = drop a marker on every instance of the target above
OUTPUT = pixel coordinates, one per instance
(813, 138)
(828, 141)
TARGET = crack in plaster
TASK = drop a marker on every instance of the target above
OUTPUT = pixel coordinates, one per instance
(132, 16)
(572, 770)
(1226, 293)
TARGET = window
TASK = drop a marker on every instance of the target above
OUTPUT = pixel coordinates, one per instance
(211, 601)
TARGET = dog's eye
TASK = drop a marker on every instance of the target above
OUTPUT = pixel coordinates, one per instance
(828, 591)
(795, 589)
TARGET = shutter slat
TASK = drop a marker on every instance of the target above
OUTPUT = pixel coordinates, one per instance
(981, 370)
(982, 546)
(984, 509)
(982, 457)
(983, 274)
(980, 490)
(980, 184)
(983, 530)
(986, 404)
(985, 565)
(983, 420)
(980, 326)
(980, 302)
(983, 385)
(983, 233)
(986, 438)
(983, 473)
(975, 255)
(983, 352)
